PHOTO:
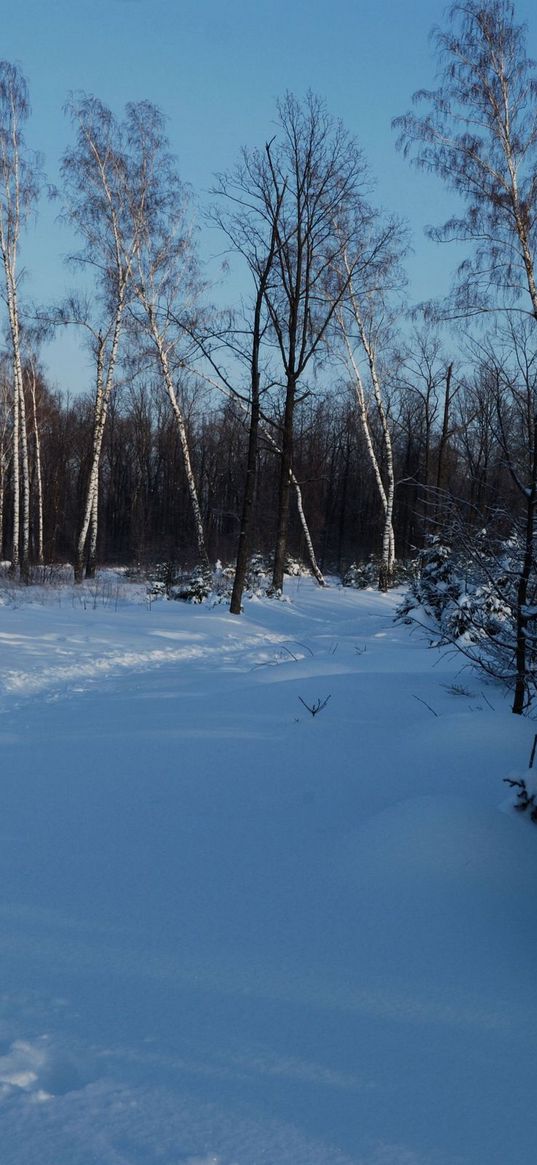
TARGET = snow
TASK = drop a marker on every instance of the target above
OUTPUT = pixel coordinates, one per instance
(232, 933)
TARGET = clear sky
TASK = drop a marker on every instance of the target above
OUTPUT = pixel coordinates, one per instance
(216, 68)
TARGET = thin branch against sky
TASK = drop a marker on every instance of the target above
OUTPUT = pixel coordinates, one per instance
(216, 72)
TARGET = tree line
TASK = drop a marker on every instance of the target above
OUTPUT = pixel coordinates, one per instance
(145, 510)
(319, 416)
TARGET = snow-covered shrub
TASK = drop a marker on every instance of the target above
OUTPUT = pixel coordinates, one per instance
(295, 568)
(161, 577)
(193, 587)
(168, 580)
(439, 583)
(259, 573)
(362, 574)
(470, 593)
(450, 588)
(366, 573)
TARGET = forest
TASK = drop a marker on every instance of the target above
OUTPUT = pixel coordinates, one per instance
(319, 416)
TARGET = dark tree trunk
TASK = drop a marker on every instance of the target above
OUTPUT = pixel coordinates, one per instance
(443, 443)
(244, 548)
(521, 652)
(284, 489)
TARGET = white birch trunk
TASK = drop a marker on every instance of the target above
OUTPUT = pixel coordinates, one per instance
(388, 540)
(387, 493)
(123, 258)
(18, 194)
(93, 532)
(386, 496)
(25, 471)
(158, 341)
(307, 536)
(102, 400)
(20, 436)
(15, 539)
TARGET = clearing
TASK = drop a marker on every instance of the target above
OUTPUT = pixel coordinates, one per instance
(234, 933)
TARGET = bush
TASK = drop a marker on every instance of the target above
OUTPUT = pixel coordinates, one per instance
(366, 573)
(470, 593)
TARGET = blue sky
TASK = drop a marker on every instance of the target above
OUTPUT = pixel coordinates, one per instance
(216, 70)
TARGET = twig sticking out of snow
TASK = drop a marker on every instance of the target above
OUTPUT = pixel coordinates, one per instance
(426, 705)
(317, 706)
(525, 800)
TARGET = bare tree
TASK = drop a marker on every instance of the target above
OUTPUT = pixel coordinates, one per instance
(245, 345)
(248, 237)
(19, 188)
(299, 192)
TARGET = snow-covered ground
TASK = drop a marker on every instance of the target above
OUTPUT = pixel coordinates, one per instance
(232, 933)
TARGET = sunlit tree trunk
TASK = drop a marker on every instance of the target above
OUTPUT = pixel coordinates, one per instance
(19, 185)
(87, 539)
(160, 347)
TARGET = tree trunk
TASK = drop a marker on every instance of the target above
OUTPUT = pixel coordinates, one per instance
(317, 572)
(284, 486)
(183, 438)
(91, 565)
(443, 444)
(15, 536)
(521, 650)
(18, 419)
(102, 400)
(25, 468)
(386, 494)
(244, 547)
(38, 472)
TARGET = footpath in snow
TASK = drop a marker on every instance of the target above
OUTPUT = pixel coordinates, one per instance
(234, 933)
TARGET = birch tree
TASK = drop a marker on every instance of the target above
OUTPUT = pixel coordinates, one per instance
(99, 193)
(19, 189)
(6, 444)
(385, 484)
(479, 134)
(167, 282)
(368, 274)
